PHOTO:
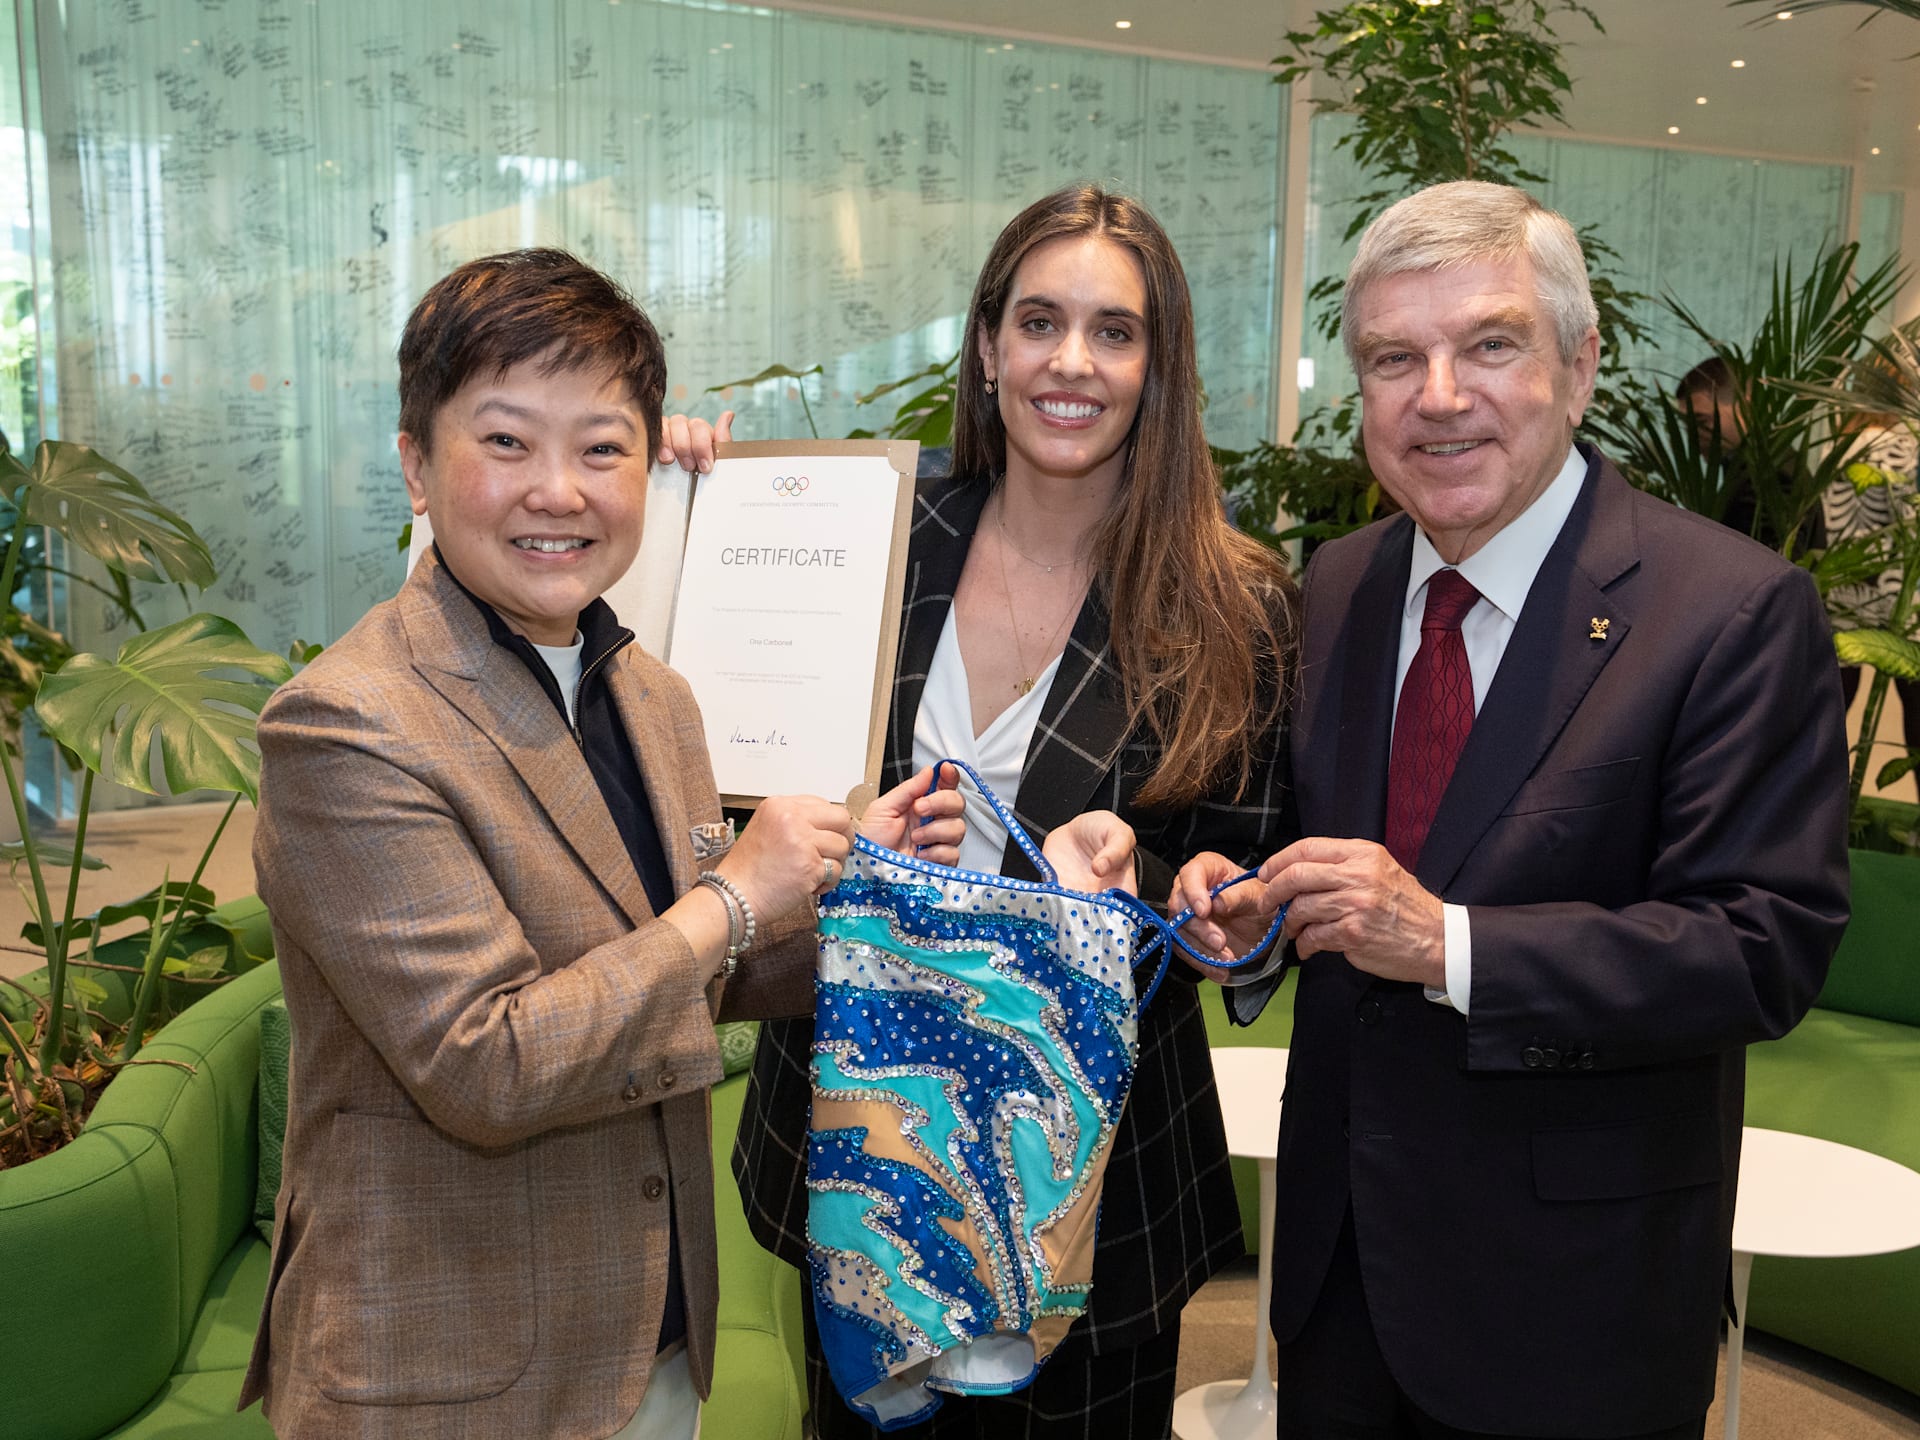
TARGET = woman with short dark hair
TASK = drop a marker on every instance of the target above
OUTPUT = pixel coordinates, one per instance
(507, 914)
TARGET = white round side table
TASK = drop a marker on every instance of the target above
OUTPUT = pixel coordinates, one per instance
(1250, 1079)
(1811, 1199)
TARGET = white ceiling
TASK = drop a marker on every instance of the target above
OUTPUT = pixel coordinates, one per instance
(1814, 86)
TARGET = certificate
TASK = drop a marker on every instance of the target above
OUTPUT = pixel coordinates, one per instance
(788, 611)
(774, 587)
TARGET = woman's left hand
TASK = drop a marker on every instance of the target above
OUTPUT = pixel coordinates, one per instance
(1094, 851)
(917, 820)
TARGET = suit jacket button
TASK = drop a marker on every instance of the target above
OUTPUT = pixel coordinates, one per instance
(1369, 1012)
(630, 1094)
(653, 1187)
(1531, 1057)
(665, 1082)
(1550, 1058)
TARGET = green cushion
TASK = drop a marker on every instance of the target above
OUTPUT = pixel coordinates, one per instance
(1855, 1080)
(145, 1207)
(197, 1406)
(98, 1218)
(737, 1039)
(276, 1054)
(1275, 1028)
(754, 1392)
(1877, 969)
(223, 1331)
(207, 1118)
(758, 1374)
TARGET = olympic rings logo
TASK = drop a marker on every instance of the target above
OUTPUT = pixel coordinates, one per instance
(790, 485)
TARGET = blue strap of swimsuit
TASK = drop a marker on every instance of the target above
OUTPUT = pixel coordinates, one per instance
(1166, 932)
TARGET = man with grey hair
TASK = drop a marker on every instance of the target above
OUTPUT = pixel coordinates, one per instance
(1571, 767)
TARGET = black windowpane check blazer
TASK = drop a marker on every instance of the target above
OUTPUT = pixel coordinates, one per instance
(1168, 1217)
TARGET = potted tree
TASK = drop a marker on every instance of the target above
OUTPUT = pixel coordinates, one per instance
(1432, 88)
(173, 711)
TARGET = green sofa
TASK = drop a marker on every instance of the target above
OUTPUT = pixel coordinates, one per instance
(135, 1275)
(1849, 1072)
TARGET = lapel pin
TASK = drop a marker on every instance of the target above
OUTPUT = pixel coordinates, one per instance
(1599, 630)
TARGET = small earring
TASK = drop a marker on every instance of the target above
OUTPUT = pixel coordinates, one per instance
(992, 386)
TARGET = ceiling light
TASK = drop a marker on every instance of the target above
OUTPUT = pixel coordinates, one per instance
(1699, 99)
(1739, 64)
(1784, 15)
(1673, 129)
(1876, 149)
(1123, 24)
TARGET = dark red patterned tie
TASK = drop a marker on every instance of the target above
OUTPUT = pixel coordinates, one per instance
(1435, 713)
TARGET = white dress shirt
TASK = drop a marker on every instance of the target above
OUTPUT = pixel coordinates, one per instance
(1502, 570)
(943, 730)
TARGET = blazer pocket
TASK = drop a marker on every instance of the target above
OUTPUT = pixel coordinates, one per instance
(433, 1297)
(1619, 1162)
(1579, 789)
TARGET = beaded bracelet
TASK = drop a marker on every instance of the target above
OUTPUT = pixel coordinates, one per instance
(740, 940)
(735, 927)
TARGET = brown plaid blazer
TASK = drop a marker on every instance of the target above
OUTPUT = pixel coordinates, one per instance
(500, 1056)
(1168, 1215)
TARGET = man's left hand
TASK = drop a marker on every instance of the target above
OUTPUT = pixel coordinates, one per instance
(1351, 896)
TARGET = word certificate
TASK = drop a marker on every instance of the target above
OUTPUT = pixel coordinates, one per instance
(787, 614)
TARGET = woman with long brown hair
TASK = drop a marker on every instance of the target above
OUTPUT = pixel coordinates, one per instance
(1084, 626)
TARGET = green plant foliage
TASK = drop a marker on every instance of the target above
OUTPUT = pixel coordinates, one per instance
(779, 372)
(98, 506)
(195, 690)
(195, 900)
(1323, 493)
(1432, 89)
(1896, 769)
(772, 372)
(168, 687)
(15, 851)
(1884, 650)
(1791, 443)
(926, 415)
(1908, 8)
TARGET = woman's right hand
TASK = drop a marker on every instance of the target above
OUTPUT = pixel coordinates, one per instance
(794, 847)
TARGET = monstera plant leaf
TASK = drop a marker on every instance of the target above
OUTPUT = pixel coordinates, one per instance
(195, 687)
(104, 510)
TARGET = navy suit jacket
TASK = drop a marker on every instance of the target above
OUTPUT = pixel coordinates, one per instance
(1648, 828)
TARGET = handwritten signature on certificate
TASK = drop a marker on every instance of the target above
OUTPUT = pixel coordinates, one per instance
(772, 740)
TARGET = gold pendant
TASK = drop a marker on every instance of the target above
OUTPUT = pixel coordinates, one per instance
(1025, 687)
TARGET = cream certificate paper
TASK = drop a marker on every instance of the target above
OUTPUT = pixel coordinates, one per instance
(773, 585)
(788, 611)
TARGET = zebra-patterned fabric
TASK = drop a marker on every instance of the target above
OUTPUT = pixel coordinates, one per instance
(975, 1039)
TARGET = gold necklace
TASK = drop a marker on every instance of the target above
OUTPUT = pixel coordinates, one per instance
(999, 518)
(1030, 678)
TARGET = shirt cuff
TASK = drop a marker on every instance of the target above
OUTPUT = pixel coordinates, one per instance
(1459, 959)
